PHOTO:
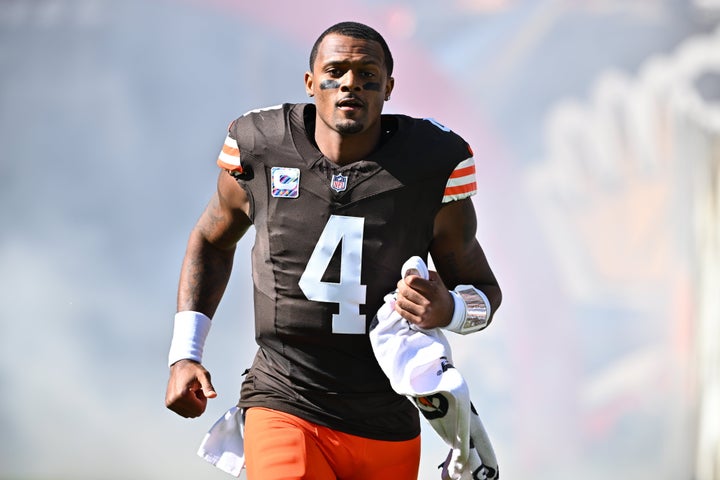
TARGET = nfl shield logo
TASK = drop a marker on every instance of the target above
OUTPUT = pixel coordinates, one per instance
(339, 183)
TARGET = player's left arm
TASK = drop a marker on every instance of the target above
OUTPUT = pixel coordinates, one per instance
(459, 260)
(457, 254)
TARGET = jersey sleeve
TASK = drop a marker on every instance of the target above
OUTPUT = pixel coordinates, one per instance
(461, 183)
(229, 158)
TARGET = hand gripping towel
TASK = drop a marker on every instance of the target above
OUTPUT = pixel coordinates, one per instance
(223, 445)
(419, 365)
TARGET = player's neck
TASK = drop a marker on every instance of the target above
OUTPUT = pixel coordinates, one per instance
(344, 149)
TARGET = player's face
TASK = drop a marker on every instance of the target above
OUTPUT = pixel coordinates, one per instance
(350, 83)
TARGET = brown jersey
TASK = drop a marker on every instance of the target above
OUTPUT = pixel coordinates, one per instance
(330, 242)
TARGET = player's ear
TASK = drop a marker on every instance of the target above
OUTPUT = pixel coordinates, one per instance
(389, 87)
(309, 84)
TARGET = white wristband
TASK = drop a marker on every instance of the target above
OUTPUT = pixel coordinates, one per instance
(189, 334)
(458, 318)
(472, 310)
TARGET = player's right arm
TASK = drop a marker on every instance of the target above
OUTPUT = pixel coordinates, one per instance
(211, 247)
(204, 275)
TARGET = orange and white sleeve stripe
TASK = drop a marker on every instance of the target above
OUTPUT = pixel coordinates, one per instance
(229, 157)
(461, 183)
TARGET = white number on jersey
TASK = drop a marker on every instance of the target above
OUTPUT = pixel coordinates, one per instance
(349, 293)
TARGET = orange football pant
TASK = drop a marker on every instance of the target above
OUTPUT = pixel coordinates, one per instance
(280, 446)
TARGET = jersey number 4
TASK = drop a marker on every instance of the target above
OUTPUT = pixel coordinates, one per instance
(348, 293)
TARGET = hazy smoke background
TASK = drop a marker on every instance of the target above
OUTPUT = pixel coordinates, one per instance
(595, 126)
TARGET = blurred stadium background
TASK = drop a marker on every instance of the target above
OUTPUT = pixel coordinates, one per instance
(596, 128)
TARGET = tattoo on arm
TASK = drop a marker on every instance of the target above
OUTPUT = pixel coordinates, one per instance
(208, 261)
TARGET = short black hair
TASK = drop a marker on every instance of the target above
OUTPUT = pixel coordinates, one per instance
(354, 30)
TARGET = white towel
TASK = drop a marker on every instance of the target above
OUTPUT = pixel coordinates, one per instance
(419, 366)
(223, 445)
